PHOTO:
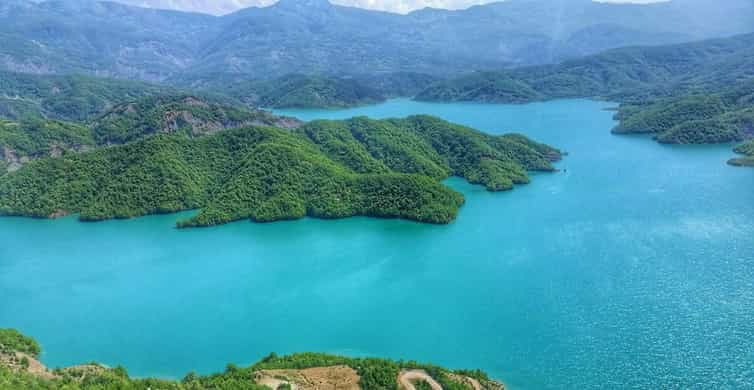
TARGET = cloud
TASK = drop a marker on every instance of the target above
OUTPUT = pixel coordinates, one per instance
(220, 7)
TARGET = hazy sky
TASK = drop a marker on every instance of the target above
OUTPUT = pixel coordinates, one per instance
(226, 6)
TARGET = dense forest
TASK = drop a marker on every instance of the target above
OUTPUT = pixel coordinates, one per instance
(747, 150)
(189, 115)
(386, 169)
(304, 91)
(17, 352)
(67, 97)
(32, 137)
(717, 116)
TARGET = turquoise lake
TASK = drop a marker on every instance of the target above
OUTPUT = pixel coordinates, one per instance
(631, 268)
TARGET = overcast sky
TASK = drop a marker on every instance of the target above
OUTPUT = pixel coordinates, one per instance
(219, 7)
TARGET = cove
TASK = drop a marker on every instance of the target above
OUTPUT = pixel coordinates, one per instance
(631, 268)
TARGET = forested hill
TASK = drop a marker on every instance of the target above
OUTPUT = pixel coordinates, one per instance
(316, 37)
(691, 93)
(387, 168)
(715, 116)
(627, 74)
(68, 97)
(302, 91)
(185, 115)
(189, 115)
(21, 369)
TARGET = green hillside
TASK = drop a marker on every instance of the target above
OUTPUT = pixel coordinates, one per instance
(185, 114)
(188, 116)
(718, 116)
(632, 74)
(35, 138)
(303, 91)
(71, 97)
(385, 169)
(747, 152)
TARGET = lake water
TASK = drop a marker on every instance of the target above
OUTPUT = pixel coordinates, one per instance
(632, 268)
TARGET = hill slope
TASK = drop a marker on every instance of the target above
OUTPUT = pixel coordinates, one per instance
(627, 74)
(324, 169)
(188, 116)
(70, 98)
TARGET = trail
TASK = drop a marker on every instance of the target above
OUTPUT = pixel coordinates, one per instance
(405, 378)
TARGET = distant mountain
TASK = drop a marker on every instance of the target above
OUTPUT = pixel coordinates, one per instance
(628, 74)
(695, 93)
(313, 36)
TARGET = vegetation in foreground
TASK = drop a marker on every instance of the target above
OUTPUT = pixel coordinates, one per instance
(388, 169)
(20, 370)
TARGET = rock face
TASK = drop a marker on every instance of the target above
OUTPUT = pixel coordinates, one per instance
(189, 115)
(12, 161)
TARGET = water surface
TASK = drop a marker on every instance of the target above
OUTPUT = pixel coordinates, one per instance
(632, 268)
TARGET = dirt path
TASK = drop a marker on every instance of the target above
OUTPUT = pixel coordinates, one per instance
(474, 383)
(317, 378)
(406, 378)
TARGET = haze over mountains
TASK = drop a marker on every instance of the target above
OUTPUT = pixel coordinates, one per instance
(314, 36)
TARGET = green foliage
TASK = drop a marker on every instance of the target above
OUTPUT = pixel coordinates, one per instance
(442, 377)
(72, 98)
(664, 115)
(388, 169)
(719, 116)
(747, 150)
(38, 137)
(302, 91)
(13, 341)
(422, 385)
(476, 374)
(188, 115)
(632, 74)
(431, 147)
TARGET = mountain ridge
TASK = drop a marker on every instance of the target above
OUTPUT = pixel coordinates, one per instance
(116, 40)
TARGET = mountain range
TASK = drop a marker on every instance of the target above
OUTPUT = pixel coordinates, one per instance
(316, 37)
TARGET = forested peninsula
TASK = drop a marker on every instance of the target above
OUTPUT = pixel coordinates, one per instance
(21, 369)
(693, 93)
(325, 169)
